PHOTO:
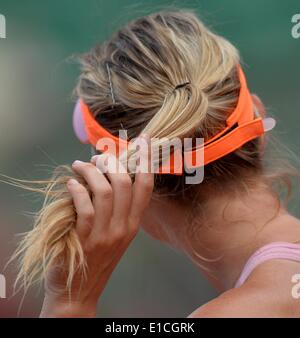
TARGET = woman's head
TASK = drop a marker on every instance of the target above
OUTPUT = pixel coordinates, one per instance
(133, 82)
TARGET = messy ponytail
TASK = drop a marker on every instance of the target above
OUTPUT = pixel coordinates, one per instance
(53, 240)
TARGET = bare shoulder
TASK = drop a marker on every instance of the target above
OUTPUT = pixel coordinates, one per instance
(268, 293)
(242, 302)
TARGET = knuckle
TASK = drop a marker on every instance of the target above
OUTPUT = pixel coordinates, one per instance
(109, 242)
(79, 189)
(124, 182)
(87, 216)
(104, 192)
(100, 242)
(119, 234)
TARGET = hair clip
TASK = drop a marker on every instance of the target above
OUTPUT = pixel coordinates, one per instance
(110, 83)
(181, 85)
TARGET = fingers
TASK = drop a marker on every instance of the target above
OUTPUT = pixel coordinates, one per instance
(84, 208)
(102, 195)
(130, 200)
(142, 187)
(121, 185)
(117, 204)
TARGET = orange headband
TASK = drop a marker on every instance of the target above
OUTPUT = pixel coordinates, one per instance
(248, 127)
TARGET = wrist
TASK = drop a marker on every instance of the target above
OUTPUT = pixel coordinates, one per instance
(53, 308)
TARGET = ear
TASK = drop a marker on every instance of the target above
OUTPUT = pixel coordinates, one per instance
(78, 124)
(259, 105)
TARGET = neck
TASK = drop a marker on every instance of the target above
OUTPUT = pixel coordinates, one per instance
(230, 230)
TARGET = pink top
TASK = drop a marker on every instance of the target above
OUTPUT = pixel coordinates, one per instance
(275, 250)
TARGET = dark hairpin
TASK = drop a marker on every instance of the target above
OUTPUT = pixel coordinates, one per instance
(110, 83)
(181, 85)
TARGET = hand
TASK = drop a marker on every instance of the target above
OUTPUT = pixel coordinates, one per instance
(106, 224)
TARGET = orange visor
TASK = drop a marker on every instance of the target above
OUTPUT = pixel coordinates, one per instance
(241, 126)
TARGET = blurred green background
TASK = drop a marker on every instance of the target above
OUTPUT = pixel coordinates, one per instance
(36, 81)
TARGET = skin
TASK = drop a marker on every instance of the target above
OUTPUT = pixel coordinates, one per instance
(235, 227)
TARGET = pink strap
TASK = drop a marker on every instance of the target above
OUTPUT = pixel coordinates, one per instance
(276, 250)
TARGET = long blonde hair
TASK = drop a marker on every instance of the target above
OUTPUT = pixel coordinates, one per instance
(128, 83)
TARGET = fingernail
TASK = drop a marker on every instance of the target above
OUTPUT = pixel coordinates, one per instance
(72, 181)
(77, 162)
(94, 159)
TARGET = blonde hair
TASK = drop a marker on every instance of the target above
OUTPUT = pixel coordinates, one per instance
(132, 82)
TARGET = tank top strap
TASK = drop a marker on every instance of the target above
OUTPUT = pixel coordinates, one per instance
(275, 250)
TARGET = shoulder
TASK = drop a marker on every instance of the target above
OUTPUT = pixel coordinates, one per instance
(241, 302)
(267, 293)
